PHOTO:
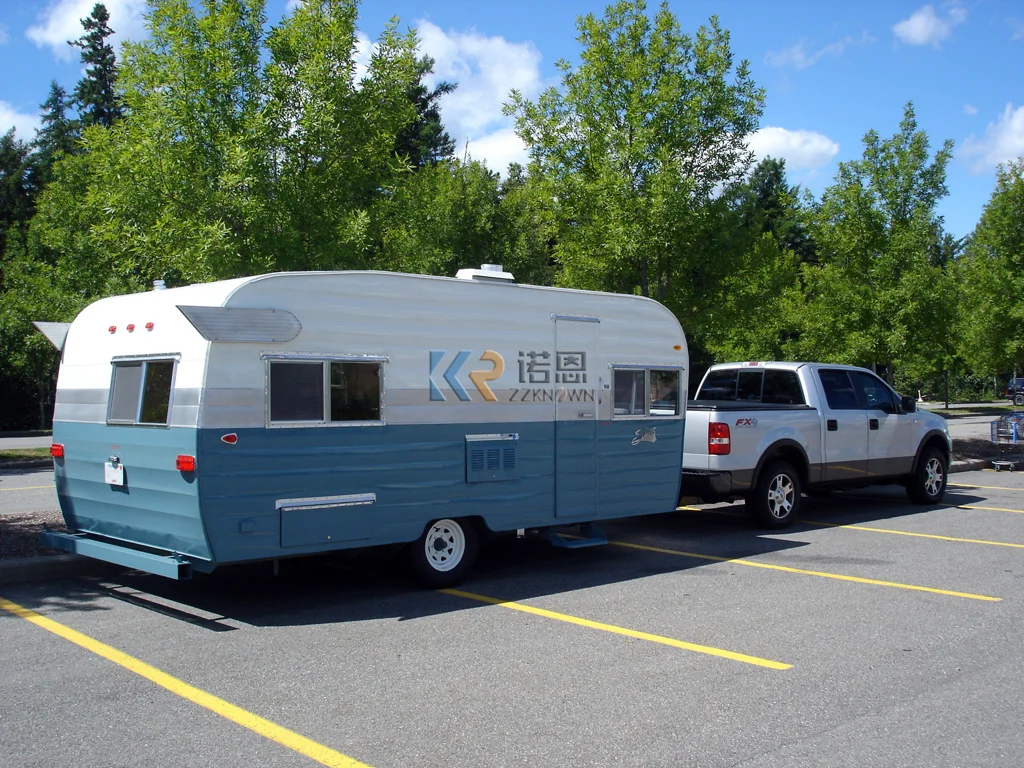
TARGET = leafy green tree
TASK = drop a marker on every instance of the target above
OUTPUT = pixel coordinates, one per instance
(424, 141)
(879, 297)
(633, 148)
(95, 94)
(18, 186)
(991, 280)
(243, 149)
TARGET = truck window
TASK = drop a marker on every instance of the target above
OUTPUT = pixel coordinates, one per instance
(782, 387)
(718, 385)
(874, 392)
(748, 385)
(324, 391)
(140, 392)
(839, 391)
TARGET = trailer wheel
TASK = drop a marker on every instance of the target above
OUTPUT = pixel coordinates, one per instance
(444, 553)
(775, 502)
(928, 483)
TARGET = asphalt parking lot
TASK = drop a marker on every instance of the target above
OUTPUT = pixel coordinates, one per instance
(876, 633)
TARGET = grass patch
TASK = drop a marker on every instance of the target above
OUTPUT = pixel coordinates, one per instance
(994, 410)
(24, 454)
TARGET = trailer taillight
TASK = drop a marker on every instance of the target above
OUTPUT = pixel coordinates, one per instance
(57, 450)
(719, 442)
(185, 463)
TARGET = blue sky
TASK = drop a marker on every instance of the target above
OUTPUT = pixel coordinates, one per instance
(832, 72)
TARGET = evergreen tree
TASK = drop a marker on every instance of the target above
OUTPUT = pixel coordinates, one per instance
(425, 141)
(97, 102)
(18, 187)
(58, 132)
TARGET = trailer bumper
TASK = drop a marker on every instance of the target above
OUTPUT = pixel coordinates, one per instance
(167, 564)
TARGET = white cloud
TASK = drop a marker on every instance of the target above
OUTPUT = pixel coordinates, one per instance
(802, 150)
(485, 69)
(62, 21)
(799, 58)
(970, 109)
(1003, 141)
(925, 27)
(1018, 29)
(24, 125)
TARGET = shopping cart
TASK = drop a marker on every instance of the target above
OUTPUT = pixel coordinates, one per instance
(1008, 432)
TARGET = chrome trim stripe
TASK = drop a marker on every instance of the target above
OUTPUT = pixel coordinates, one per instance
(326, 502)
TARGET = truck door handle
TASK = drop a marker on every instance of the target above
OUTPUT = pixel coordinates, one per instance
(872, 423)
(832, 425)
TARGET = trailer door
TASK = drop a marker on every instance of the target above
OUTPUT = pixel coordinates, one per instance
(575, 386)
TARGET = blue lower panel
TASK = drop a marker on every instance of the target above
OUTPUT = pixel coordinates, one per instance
(171, 566)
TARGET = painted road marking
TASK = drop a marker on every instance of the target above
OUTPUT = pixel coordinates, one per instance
(787, 569)
(985, 487)
(28, 488)
(273, 731)
(706, 649)
(989, 509)
(857, 527)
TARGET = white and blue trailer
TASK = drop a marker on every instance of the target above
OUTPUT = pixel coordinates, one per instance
(296, 413)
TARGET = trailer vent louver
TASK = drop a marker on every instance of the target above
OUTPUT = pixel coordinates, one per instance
(491, 458)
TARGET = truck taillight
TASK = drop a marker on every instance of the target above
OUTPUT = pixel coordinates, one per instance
(719, 443)
(57, 450)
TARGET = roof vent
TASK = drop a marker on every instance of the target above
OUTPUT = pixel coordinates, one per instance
(486, 273)
(159, 285)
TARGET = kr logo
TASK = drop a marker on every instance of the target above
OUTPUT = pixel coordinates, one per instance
(479, 378)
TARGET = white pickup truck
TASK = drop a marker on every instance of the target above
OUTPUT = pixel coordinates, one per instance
(768, 432)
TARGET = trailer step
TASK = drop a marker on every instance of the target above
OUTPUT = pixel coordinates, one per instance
(589, 536)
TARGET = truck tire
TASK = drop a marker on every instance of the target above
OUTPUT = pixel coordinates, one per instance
(928, 482)
(1018, 399)
(775, 501)
(443, 555)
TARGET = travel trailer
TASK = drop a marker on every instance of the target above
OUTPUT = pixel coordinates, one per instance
(297, 413)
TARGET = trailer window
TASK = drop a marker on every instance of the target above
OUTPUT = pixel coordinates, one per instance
(324, 391)
(140, 392)
(646, 392)
(355, 391)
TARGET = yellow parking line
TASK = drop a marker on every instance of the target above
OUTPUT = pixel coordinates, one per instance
(619, 630)
(27, 488)
(984, 487)
(272, 731)
(918, 535)
(787, 569)
(989, 509)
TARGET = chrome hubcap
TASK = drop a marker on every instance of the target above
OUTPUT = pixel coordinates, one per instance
(933, 478)
(781, 495)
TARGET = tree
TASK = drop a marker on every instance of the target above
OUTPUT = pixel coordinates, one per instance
(991, 279)
(57, 134)
(243, 149)
(18, 186)
(879, 297)
(633, 148)
(95, 95)
(424, 141)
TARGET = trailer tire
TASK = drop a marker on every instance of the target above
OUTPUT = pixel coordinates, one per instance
(776, 500)
(444, 553)
(928, 482)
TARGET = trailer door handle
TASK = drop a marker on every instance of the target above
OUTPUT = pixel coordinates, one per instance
(832, 425)
(873, 423)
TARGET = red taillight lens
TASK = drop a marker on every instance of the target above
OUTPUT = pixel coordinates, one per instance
(57, 450)
(186, 463)
(719, 442)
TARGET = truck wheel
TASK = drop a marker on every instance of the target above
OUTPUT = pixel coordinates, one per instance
(1018, 399)
(775, 502)
(444, 553)
(928, 483)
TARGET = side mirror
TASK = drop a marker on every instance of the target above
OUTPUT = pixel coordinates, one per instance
(908, 404)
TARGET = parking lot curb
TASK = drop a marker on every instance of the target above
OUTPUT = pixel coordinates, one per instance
(20, 570)
(969, 466)
(28, 464)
